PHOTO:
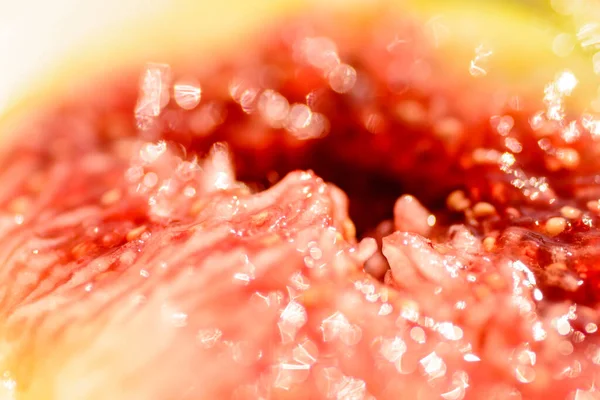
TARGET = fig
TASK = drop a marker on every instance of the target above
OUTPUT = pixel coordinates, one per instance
(351, 203)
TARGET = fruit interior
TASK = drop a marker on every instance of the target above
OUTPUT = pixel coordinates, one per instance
(330, 213)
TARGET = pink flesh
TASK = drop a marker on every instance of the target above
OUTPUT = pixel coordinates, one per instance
(132, 269)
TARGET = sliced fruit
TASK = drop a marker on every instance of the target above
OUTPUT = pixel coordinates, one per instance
(158, 240)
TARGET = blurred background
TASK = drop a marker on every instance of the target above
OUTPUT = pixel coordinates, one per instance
(39, 38)
(36, 36)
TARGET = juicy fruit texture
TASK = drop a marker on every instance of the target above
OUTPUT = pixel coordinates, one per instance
(137, 266)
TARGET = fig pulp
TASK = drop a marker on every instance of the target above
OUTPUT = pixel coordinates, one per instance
(330, 213)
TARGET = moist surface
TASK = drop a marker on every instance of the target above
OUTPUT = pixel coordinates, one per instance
(159, 238)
